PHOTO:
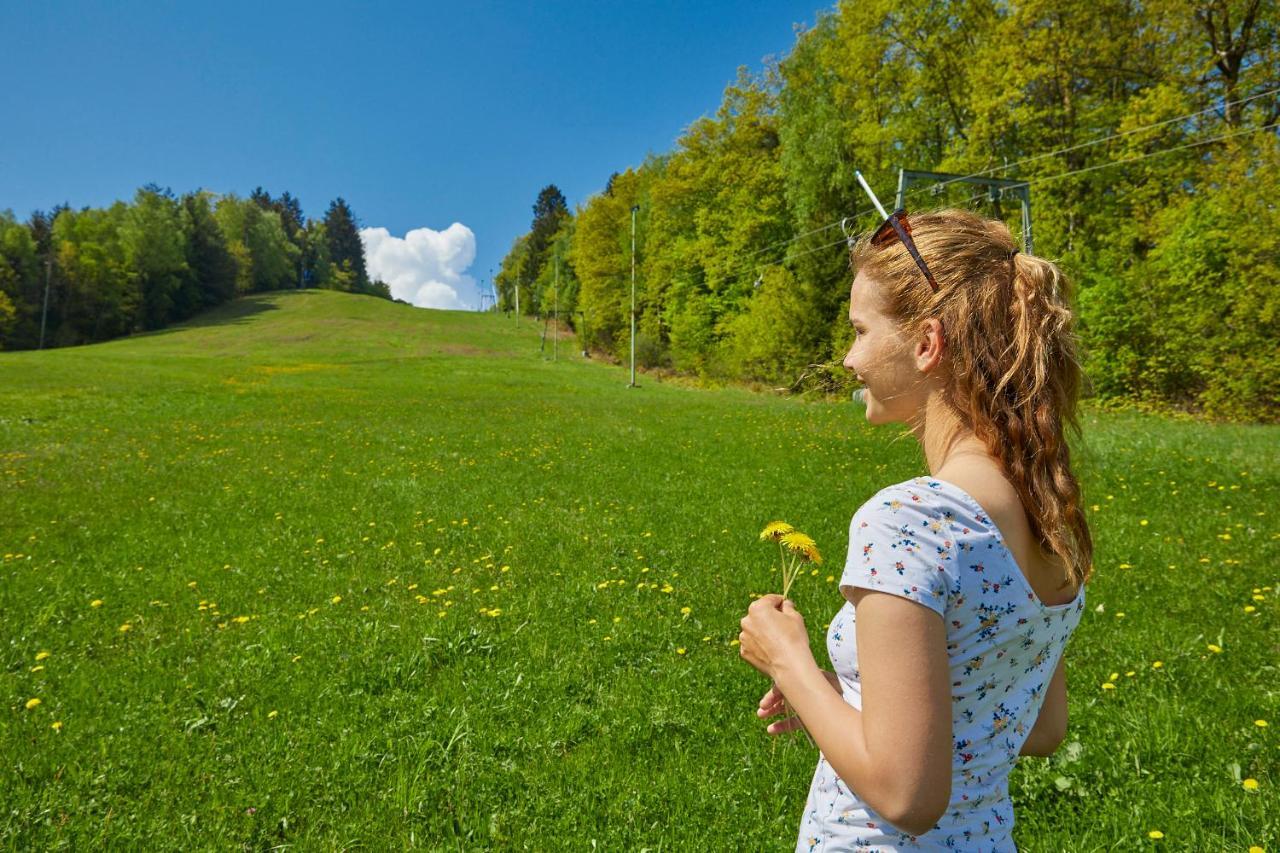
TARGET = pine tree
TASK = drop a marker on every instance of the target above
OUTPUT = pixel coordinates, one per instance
(343, 235)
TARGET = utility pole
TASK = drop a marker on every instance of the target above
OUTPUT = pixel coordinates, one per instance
(555, 302)
(634, 208)
(48, 273)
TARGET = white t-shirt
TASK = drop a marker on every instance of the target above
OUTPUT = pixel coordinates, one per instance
(928, 540)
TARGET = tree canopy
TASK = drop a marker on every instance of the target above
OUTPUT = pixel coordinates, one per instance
(1146, 132)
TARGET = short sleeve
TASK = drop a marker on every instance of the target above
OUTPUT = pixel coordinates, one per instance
(901, 544)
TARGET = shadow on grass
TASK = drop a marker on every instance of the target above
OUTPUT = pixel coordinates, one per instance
(235, 312)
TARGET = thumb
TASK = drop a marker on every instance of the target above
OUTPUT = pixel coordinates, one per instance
(788, 606)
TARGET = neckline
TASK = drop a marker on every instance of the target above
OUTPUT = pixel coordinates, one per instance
(994, 528)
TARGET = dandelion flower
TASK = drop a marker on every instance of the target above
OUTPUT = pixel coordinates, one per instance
(336, 599)
(97, 602)
(1214, 649)
(32, 703)
(271, 715)
(679, 651)
(56, 725)
(799, 543)
(686, 610)
(775, 530)
(1250, 784)
(1260, 723)
(126, 628)
(1155, 833)
(41, 656)
(1107, 685)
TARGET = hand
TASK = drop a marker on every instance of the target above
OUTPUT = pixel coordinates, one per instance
(773, 636)
(773, 702)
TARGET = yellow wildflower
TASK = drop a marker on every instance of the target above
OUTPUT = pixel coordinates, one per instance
(1214, 649)
(97, 602)
(1260, 723)
(1155, 833)
(41, 655)
(56, 725)
(775, 530)
(799, 543)
(32, 703)
(126, 628)
(336, 599)
(1250, 784)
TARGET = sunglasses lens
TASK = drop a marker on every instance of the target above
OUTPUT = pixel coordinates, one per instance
(883, 234)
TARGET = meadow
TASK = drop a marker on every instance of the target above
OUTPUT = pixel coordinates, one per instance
(318, 570)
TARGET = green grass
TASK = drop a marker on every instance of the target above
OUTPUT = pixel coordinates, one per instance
(291, 449)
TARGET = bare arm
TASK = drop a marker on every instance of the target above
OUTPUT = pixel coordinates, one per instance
(895, 752)
(1050, 728)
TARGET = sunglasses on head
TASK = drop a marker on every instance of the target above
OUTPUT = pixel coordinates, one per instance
(897, 224)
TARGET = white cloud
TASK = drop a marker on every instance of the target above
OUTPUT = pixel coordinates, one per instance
(425, 267)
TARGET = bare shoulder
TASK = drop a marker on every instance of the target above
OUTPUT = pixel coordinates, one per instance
(987, 485)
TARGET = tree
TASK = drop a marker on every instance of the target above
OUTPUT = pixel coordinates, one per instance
(209, 260)
(345, 246)
(21, 281)
(549, 211)
(153, 248)
(102, 292)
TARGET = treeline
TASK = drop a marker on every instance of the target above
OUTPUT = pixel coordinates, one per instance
(1145, 128)
(78, 276)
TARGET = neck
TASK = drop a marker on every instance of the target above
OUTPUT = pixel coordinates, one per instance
(943, 436)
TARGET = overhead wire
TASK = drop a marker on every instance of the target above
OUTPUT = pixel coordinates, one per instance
(1042, 180)
(934, 188)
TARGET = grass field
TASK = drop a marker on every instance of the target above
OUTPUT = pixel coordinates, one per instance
(320, 570)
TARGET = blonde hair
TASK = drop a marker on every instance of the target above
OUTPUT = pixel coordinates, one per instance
(1011, 349)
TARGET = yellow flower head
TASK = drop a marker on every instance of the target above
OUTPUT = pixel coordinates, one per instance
(32, 703)
(799, 543)
(775, 530)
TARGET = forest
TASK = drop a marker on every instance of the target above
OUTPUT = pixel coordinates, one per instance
(78, 276)
(1145, 132)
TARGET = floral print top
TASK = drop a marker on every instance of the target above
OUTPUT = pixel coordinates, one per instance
(929, 541)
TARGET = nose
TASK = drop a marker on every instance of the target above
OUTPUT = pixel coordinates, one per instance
(848, 360)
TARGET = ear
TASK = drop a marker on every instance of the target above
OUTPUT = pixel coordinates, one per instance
(930, 345)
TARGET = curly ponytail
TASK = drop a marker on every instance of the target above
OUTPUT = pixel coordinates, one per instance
(1011, 349)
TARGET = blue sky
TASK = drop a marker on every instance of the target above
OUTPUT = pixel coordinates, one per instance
(418, 115)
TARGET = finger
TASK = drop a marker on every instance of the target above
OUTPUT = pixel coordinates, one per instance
(766, 602)
(781, 727)
(789, 606)
(771, 710)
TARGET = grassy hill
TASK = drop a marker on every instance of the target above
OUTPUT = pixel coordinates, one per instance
(325, 570)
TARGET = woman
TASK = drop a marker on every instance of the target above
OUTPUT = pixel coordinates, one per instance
(962, 587)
